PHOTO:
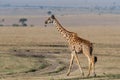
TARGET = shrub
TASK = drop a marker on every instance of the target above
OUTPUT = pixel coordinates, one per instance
(15, 25)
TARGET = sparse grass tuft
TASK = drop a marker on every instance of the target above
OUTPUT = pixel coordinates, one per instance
(59, 69)
(43, 65)
(113, 76)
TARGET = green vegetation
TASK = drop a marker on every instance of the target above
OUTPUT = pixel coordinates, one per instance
(22, 21)
(113, 76)
(15, 25)
(11, 64)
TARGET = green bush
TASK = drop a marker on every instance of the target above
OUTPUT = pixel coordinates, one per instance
(15, 25)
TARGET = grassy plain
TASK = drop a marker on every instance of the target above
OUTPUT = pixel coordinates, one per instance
(40, 53)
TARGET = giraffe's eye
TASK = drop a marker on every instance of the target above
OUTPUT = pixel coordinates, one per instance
(45, 22)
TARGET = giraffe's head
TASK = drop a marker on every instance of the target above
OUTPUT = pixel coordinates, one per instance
(50, 20)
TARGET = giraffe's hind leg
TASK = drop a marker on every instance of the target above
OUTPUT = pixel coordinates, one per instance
(91, 66)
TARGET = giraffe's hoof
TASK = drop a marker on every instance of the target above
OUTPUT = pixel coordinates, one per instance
(68, 74)
(83, 74)
(94, 75)
(88, 75)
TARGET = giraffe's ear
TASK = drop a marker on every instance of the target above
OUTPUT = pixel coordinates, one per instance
(52, 16)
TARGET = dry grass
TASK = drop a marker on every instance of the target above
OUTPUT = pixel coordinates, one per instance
(40, 53)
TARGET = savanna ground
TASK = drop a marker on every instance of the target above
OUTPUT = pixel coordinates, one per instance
(40, 53)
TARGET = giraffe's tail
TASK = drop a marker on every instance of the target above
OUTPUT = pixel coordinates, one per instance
(95, 59)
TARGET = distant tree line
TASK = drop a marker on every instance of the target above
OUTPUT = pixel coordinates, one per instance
(22, 22)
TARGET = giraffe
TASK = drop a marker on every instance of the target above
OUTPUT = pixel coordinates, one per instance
(77, 45)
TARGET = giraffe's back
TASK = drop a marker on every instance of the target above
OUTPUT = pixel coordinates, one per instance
(76, 43)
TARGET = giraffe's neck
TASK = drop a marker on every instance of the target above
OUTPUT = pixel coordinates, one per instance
(65, 33)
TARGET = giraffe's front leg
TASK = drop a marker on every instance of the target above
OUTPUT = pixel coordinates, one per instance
(71, 62)
(76, 56)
